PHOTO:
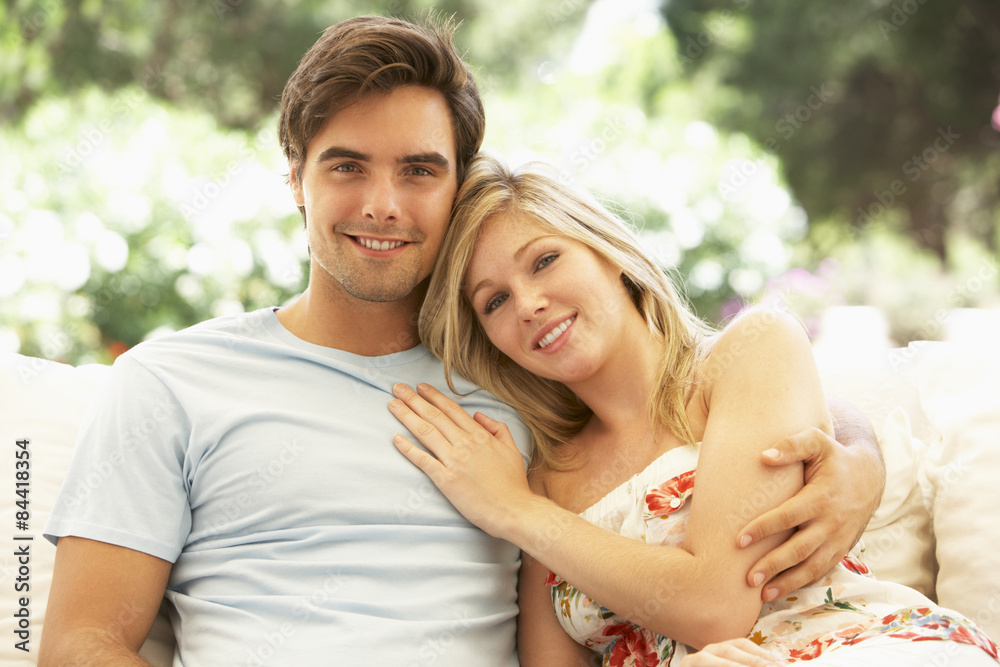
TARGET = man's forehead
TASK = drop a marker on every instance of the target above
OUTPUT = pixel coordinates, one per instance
(404, 122)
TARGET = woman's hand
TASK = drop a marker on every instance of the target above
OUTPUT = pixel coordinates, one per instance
(475, 462)
(731, 652)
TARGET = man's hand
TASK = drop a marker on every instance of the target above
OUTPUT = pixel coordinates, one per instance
(844, 481)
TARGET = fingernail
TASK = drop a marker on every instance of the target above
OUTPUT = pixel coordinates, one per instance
(758, 579)
(423, 386)
(745, 541)
(395, 403)
(398, 388)
(770, 594)
(772, 454)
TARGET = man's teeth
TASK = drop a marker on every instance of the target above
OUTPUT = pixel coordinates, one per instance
(372, 244)
(551, 336)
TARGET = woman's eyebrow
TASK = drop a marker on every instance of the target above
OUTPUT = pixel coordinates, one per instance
(486, 282)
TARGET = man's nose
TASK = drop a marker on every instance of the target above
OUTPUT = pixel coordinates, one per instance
(381, 200)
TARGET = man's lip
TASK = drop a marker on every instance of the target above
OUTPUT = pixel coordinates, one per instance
(547, 329)
(392, 243)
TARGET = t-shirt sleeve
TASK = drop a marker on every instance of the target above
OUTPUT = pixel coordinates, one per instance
(126, 482)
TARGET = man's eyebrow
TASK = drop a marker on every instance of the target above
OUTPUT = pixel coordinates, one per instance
(334, 152)
(433, 157)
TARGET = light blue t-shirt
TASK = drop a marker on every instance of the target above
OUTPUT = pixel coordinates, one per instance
(263, 467)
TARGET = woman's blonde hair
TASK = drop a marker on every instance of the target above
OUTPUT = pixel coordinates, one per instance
(450, 329)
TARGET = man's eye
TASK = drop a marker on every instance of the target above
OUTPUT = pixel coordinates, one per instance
(494, 303)
(420, 171)
(346, 167)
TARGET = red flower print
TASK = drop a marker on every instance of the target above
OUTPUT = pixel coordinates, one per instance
(633, 650)
(670, 496)
(855, 565)
(553, 579)
(618, 629)
(812, 650)
(962, 634)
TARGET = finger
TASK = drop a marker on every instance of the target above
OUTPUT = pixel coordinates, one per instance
(496, 429)
(418, 457)
(803, 574)
(801, 560)
(809, 445)
(745, 652)
(423, 430)
(445, 422)
(732, 652)
(455, 412)
(795, 511)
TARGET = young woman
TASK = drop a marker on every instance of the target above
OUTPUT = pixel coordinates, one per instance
(546, 300)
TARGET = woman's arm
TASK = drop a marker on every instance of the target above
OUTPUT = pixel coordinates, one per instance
(844, 482)
(541, 641)
(763, 387)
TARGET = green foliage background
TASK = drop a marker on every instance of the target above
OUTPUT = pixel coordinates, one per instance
(756, 144)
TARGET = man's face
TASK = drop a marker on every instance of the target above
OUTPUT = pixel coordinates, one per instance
(377, 186)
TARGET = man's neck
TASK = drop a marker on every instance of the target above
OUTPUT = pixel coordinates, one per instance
(352, 325)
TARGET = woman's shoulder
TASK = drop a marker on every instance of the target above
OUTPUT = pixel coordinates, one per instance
(757, 336)
(758, 327)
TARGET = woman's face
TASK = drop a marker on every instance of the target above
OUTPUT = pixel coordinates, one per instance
(547, 301)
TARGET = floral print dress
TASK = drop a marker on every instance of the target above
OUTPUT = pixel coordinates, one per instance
(846, 607)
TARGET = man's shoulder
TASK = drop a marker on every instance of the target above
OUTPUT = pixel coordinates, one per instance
(228, 330)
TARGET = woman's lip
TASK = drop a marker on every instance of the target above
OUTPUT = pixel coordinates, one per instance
(542, 333)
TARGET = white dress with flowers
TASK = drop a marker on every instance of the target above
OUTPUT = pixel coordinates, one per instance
(846, 607)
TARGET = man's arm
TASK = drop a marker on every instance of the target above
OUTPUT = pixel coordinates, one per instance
(844, 482)
(102, 604)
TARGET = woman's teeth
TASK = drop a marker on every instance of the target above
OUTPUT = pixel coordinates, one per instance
(551, 336)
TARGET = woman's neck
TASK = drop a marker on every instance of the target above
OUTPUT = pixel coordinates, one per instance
(619, 394)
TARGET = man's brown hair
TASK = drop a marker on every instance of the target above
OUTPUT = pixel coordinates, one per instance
(377, 54)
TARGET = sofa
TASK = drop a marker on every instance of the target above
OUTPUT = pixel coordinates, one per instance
(934, 405)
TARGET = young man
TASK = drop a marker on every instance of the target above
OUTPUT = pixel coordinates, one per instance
(245, 467)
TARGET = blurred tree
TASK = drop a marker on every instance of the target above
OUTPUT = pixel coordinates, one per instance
(140, 175)
(230, 57)
(877, 110)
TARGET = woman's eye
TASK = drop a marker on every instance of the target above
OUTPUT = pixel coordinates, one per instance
(494, 303)
(420, 171)
(545, 261)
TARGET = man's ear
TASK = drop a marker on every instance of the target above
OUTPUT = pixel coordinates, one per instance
(295, 183)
